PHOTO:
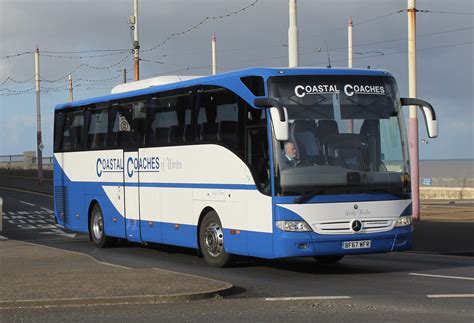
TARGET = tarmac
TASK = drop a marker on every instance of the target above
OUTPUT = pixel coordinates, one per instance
(33, 275)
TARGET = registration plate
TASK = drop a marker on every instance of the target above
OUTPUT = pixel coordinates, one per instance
(356, 244)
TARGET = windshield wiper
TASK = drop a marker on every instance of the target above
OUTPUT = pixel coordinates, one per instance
(307, 196)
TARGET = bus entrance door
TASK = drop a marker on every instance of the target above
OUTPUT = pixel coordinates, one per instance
(131, 200)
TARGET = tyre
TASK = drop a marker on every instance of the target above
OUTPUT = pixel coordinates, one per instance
(97, 229)
(211, 241)
(328, 259)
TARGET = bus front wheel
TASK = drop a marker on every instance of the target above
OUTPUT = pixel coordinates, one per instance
(211, 241)
(96, 229)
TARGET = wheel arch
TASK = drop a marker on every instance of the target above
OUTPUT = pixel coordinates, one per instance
(92, 203)
(203, 213)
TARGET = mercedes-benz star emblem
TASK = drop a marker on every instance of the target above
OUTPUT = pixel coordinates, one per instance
(356, 206)
(356, 225)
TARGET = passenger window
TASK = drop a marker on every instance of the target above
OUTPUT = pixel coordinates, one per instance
(220, 109)
(72, 134)
(170, 119)
(97, 129)
(59, 119)
(128, 130)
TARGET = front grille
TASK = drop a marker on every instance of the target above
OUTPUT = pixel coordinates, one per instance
(61, 201)
(344, 226)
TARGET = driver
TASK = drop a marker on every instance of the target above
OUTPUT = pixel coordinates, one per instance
(289, 158)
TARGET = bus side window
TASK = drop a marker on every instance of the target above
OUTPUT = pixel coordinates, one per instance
(222, 119)
(162, 121)
(256, 155)
(97, 126)
(59, 120)
(206, 119)
(170, 119)
(183, 132)
(73, 125)
(129, 124)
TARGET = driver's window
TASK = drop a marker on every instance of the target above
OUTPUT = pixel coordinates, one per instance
(256, 152)
(391, 145)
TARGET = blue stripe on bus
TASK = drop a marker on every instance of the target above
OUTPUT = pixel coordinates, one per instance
(183, 185)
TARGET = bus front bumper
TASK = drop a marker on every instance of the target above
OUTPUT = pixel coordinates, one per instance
(304, 244)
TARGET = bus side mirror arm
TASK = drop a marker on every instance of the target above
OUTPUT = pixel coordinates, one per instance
(428, 113)
(279, 117)
(267, 103)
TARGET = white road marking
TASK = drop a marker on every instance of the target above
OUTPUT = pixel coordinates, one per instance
(23, 202)
(441, 276)
(450, 296)
(305, 298)
(47, 210)
(113, 265)
(59, 232)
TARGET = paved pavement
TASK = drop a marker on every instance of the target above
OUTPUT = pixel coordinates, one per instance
(36, 275)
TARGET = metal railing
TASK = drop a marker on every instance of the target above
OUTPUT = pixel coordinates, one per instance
(26, 161)
(11, 158)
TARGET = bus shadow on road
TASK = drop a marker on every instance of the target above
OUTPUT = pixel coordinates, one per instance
(349, 265)
(168, 256)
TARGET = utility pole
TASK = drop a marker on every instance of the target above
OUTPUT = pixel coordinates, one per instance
(349, 42)
(292, 35)
(413, 119)
(350, 124)
(39, 144)
(133, 22)
(71, 95)
(213, 50)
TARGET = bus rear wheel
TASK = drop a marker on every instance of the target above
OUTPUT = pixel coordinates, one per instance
(329, 259)
(211, 241)
(97, 229)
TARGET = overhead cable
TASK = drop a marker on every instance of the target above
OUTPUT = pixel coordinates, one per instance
(208, 18)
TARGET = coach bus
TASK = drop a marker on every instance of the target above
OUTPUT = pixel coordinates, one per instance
(262, 162)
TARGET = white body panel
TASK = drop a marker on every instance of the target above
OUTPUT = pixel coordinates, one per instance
(176, 184)
(335, 218)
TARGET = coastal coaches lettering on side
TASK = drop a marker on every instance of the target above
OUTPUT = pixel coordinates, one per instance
(260, 162)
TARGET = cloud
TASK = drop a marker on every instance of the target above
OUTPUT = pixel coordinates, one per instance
(253, 38)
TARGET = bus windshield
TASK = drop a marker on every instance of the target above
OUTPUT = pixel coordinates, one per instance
(346, 134)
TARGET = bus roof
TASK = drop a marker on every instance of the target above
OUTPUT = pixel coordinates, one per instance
(223, 78)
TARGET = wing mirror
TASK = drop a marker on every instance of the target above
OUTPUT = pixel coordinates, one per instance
(278, 114)
(428, 113)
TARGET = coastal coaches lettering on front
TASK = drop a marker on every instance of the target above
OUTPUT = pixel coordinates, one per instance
(349, 89)
(198, 164)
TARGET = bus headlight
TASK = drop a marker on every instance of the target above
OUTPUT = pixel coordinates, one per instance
(293, 226)
(403, 221)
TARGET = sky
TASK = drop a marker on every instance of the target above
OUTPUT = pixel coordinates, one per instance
(256, 36)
